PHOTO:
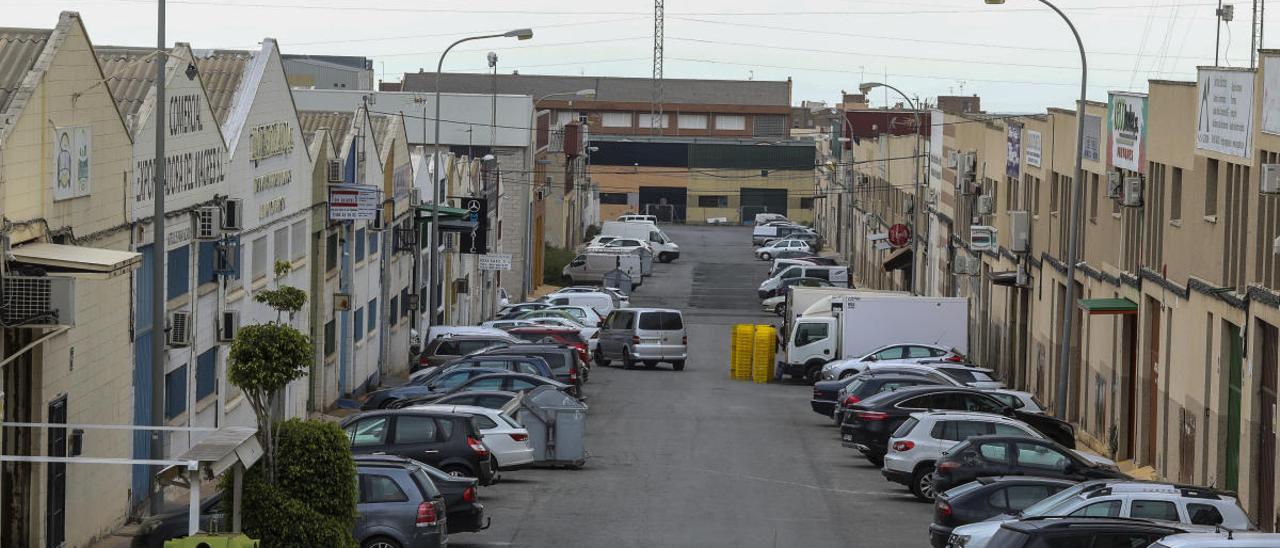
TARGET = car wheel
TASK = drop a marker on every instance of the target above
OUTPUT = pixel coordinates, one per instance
(458, 471)
(765, 256)
(678, 365)
(664, 258)
(780, 308)
(847, 373)
(874, 460)
(922, 483)
(600, 359)
(380, 542)
(627, 362)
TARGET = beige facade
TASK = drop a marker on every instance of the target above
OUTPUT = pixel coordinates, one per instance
(1184, 382)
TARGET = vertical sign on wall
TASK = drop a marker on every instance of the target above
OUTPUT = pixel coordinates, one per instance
(1271, 95)
(1127, 131)
(1035, 148)
(1224, 121)
(1013, 162)
(1092, 138)
(72, 158)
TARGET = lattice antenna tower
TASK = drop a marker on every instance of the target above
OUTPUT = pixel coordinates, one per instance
(655, 106)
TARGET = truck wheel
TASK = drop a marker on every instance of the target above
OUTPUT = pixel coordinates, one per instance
(600, 359)
(677, 365)
(664, 257)
(627, 362)
(812, 372)
(780, 308)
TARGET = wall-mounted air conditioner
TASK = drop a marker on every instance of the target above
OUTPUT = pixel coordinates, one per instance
(208, 225)
(1132, 192)
(228, 325)
(982, 238)
(232, 215)
(1270, 181)
(179, 332)
(38, 301)
(333, 173)
(986, 205)
(1115, 185)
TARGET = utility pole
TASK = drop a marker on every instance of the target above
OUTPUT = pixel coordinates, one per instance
(158, 328)
(1255, 41)
(655, 107)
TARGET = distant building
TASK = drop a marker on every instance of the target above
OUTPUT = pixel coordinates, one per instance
(329, 71)
(960, 104)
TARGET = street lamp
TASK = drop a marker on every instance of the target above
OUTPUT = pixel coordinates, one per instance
(589, 93)
(1077, 191)
(436, 187)
(918, 200)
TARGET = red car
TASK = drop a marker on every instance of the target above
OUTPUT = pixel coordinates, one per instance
(554, 334)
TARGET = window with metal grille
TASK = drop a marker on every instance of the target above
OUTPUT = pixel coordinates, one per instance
(206, 373)
(207, 255)
(613, 198)
(359, 324)
(360, 241)
(713, 201)
(806, 203)
(178, 267)
(331, 252)
(260, 258)
(373, 314)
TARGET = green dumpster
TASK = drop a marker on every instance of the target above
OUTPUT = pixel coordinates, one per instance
(213, 541)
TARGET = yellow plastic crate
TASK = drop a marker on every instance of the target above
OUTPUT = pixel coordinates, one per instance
(743, 349)
(763, 353)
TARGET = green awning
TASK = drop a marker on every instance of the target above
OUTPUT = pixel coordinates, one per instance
(1109, 306)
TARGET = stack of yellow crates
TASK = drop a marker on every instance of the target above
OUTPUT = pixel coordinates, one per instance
(762, 355)
(742, 349)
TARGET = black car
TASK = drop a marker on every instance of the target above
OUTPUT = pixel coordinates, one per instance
(461, 499)
(1052, 532)
(441, 381)
(504, 381)
(562, 358)
(858, 388)
(986, 497)
(981, 456)
(868, 424)
(448, 441)
(442, 350)
(492, 399)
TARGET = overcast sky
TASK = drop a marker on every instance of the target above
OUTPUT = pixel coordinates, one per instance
(1019, 57)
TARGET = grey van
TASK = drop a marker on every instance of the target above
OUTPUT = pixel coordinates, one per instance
(648, 335)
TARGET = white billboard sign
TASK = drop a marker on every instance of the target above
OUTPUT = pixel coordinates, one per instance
(1224, 121)
(1035, 147)
(72, 158)
(353, 202)
(495, 261)
(1271, 95)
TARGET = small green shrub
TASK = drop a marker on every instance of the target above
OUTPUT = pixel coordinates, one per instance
(592, 232)
(553, 261)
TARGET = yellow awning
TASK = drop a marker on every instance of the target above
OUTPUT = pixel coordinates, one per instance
(78, 261)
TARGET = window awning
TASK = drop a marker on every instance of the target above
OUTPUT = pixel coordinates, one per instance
(1109, 306)
(1006, 278)
(899, 259)
(78, 261)
(457, 225)
(424, 212)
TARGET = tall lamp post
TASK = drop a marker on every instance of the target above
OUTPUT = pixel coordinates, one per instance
(1077, 189)
(436, 187)
(918, 200)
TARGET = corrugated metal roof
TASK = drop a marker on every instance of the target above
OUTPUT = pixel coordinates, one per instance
(19, 49)
(129, 74)
(221, 72)
(614, 89)
(381, 129)
(338, 123)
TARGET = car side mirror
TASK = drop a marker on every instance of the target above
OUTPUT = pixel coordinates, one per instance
(871, 358)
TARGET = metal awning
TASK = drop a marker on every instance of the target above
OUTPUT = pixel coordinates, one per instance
(1006, 278)
(78, 261)
(1109, 306)
(424, 212)
(899, 259)
(457, 225)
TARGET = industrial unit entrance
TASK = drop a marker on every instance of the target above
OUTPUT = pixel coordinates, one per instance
(762, 200)
(667, 203)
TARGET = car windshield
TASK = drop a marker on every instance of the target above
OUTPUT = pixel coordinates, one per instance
(1046, 506)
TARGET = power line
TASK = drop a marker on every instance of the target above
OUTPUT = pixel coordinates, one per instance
(462, 33)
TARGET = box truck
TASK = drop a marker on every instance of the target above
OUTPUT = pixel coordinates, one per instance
(664, 249)
(855, 324)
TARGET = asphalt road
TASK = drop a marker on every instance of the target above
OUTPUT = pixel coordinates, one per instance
(695, 458)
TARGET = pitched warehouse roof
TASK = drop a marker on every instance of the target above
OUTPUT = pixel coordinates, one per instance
(129, 75)
(19, 49)
(338, 124)
(222, 71)
(611, 89)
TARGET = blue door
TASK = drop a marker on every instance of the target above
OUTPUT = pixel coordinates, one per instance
(142, 389)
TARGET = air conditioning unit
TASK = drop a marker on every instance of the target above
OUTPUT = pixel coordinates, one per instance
(931, 197)
(953, 160)
(38, 301)
(208, 223)
(982, 238)
(450, 241)
(1019, 231)
(986, 205)
(1132, 192)
(179, 332)
(378, 223)
(232, 215)
(228, 325)
(1270, 182)
(908, 205)
(415, 196)
(333, 173)
(965, 265)
(1115, 185)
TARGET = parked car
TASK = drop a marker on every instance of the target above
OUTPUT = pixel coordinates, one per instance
(399, 503)
(763, 233)
(827, 395)
(445, 349)
(590, 335)
(1220, 539)
(648, 335)
(1119, 498)
(444, 379)
(807, 256)
(548, 312)
(903, 352)
(564, 360)
(986, 497)
(448, 441)
(515, 310)
(768, 251)
(1082, 532)
(1003, 455)
(765, 218)
(493, 399)
(506, 438)
(558, 334)
(919, 443)
(602, 302)
(620, 299)
(625, 245)
(1018, 399)
(630, 217)
(501, 381)
(837, 275)
(461, 498)
(583, 314)
(780, 292)
(869, 424)
(154, 530)
(598, 241)
(507, 324)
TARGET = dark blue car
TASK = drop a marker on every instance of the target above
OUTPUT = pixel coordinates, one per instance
(453, 375)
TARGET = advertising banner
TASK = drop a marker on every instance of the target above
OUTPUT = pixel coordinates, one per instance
(1034, 148)
(936, 130)
(1092, 138)
(1224, 122)
(1013, 163)
(1127, 131)
(353, 202)
(72, 158)
(1271, 95)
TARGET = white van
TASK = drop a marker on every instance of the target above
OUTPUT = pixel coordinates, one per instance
(837, 275)
(762, 218)
(591, 267)
(663, 248)
(601, 302)
(634, 217)
(761, 234)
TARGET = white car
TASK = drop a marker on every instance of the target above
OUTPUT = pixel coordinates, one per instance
(620, 299)
(918, 443)
(776, 305)
(584, 315)
(508, 324)
(1120, 498)
(906, 352)
(1017, 399)
(599, 241)
(506, 438)
(589, 334)
(629, 245)
(1231, 539)
(768, 252)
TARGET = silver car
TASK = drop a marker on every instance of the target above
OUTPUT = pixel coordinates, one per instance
(648, 335)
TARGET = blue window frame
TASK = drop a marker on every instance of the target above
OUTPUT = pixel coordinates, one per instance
(359, 324)
(373, 314)
(178, 266)
(175, 392)
(207, 254)
(359, 244)
(373, 243)
(206, 373)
